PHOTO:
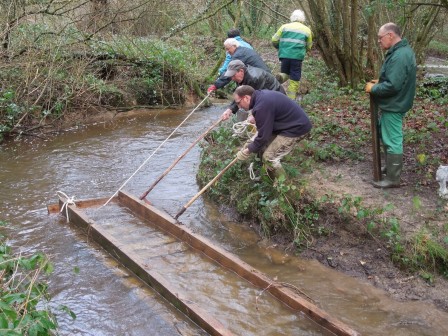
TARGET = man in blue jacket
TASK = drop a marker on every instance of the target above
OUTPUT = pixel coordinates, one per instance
(281, 124)
(394, 95)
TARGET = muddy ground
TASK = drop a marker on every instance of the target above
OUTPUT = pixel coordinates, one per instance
(349, 248)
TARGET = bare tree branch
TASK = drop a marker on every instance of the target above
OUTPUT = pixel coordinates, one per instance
(198, 18)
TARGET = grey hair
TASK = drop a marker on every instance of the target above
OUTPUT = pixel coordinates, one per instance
(231, 42)
(298, 15)
(392, 27)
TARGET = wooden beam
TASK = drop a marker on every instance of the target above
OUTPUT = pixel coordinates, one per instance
(82, 204)
(151, 277)
(376, 154)
(169, 225)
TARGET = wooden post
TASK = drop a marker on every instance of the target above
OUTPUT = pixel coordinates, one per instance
(375, 141)
(202, 136)
(195, 197)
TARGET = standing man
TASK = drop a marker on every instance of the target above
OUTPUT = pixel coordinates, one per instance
(248, 75)
(292, 41)
(393, 94)
(246, 55)
(233, 33)
(281, 123)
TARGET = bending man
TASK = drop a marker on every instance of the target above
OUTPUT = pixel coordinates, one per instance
(248, 75)
(281, 123)
(245, 55)
(233, 33)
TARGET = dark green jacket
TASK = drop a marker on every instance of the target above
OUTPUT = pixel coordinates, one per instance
(395, 90)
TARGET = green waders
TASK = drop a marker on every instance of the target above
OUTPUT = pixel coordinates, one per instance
(391, 125)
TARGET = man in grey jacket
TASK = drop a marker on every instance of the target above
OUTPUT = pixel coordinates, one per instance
(245, 55)
(248, 75)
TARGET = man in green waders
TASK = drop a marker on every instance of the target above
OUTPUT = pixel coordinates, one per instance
(393, 94)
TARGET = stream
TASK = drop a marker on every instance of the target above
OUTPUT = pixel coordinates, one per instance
(93, 162)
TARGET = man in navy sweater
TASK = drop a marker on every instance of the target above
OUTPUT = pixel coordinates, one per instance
(281, 123)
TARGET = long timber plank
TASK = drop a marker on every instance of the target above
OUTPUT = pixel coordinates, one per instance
(82, 204)
(138, 267)
(169, 225)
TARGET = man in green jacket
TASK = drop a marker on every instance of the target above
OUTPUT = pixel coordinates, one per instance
(393, 94)
(292, 41)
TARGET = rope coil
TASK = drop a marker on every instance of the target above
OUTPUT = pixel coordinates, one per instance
(68, 201)
(244, 127)
(252, 175)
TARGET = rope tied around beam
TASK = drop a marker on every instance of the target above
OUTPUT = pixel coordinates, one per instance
(68, 201)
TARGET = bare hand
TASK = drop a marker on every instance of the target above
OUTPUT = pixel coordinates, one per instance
(226, 115)
(368, 87)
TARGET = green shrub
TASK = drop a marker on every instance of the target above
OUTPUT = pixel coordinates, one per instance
(24, 295)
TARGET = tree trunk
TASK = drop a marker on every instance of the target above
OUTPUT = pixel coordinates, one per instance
(340, 34)
(99, 13)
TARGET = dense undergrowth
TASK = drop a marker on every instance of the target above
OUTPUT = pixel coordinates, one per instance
(24, 297)
(40, 87)
(341, 133)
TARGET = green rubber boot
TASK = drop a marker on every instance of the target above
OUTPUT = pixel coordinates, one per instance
(293, 89)
(282, 77)
(394, 165)
(278, 172)
(275, 173)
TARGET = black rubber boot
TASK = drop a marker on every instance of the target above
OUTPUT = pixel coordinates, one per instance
(394, 166)
(384, 168)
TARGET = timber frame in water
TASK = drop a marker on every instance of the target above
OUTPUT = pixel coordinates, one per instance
(165, 223)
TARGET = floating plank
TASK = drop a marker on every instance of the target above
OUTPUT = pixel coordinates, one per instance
(82, 204)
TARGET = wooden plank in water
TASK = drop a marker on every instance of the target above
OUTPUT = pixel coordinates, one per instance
(82, 204)
(151, 277)
(168, 224)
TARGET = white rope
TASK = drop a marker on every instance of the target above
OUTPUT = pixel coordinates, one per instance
(68, 201)
(249, 129)
(242, 127)
(251, 171)
(144, 162)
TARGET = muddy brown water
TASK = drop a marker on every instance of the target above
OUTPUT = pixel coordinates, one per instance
(93, 162)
